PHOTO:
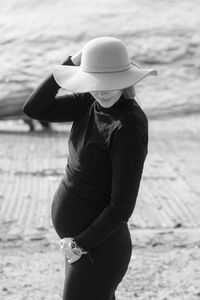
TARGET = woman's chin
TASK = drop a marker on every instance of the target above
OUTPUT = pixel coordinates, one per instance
(105, 104)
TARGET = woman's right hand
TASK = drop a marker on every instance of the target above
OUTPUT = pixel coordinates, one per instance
(76, 58)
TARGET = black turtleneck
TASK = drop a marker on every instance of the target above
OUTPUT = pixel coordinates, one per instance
(107, 150)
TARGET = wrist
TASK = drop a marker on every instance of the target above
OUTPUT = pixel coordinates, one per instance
(75, 60)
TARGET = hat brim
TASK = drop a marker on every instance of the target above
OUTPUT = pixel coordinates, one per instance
(72, 78)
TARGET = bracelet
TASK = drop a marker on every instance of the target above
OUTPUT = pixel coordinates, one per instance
(77, 249)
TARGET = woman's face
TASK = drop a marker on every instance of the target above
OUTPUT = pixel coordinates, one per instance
(107, 98)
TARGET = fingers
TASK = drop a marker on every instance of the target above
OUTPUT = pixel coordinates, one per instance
(65, 247)
(73, 258)
(76, 58)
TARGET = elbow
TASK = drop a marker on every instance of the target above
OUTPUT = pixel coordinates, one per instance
(36, 115)
(122, 211)
(24, 109)
(28, 106)
(27, 111)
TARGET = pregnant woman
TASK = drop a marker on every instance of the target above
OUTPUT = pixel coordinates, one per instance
(108, 144)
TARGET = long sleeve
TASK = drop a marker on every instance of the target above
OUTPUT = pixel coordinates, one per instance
(44, 105)
(128, 153)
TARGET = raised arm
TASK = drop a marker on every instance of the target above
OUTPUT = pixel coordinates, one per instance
(128, 154)
(44, 105)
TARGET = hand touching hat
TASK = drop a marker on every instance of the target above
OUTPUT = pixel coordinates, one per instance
(105, 65)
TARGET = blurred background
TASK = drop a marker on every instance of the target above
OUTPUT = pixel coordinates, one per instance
(165, 226)
(35, 35)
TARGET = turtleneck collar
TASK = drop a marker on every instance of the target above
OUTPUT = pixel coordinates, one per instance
(120, 102)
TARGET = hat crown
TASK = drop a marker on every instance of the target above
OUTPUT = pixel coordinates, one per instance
(104, 54)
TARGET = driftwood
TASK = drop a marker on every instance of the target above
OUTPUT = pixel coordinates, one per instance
(11, 109)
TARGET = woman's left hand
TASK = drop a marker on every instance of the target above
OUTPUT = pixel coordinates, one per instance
(65, 246)
(76, 58)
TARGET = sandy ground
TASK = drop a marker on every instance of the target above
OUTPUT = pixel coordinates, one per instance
(35, 269)
(165, 259)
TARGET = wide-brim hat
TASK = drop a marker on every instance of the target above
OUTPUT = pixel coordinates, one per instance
(105, 65)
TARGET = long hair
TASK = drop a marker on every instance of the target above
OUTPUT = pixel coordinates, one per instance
(130, 93)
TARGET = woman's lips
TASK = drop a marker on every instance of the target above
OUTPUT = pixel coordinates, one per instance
(105, 98)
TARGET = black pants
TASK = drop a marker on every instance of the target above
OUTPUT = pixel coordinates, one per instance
(98, 279)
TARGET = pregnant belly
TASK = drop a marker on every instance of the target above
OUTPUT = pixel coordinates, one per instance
(70, 216)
